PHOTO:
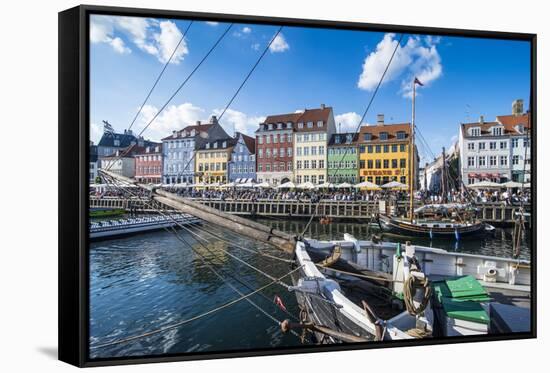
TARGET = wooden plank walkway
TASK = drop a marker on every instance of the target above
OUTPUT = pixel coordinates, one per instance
(493, 213)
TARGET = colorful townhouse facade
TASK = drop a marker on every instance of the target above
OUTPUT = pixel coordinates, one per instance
(242, 163)
(274, 149)
(343, 158)
(212, 158)
(313, 129)
(179, 159)
(148, 162)
(385, 153)
(496, 151)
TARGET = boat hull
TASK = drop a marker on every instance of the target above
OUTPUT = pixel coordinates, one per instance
(394, 226)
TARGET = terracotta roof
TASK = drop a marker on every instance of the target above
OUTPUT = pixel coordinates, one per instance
(128, 152)
(308, 115)
(391, 129)
(509, 122)
(343, 142)
(250, 142)
(204, 127)
(143, 150)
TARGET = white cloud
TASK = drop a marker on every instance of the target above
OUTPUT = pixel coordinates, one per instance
(347, 122)
(246, 30)
(96, 131)
(239, 121)
(418, 57)
(173, 117)
(279, 44)
(255, 46)
(156, 38)
(212, 23)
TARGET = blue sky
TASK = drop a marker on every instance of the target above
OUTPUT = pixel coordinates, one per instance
(464, 77)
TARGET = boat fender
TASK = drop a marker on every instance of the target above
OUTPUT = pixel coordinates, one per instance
(431, 235)
(490, 275)
(457, 235)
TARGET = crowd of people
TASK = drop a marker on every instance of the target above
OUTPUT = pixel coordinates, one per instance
(513, 197)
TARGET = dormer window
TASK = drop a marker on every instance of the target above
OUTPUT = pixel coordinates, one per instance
(367, 136)
(309, 124)
(401, 135)
(497, 131)
(193, 132)
(349, 138)
(117, 142)
(207, 145)
(320, 124)
(337, 139)
(520, 128)
(301, 125)
(476, 131)
(383, 135)
(289, 125)
(215, 145)
(224, 144)
(279, 126)
(270, 126)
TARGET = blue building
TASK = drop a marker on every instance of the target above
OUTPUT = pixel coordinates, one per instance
(178, 150)
(242, 165)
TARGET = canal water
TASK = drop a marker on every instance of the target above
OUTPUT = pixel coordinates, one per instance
(154, 280)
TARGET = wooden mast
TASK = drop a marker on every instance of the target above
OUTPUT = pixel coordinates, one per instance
(411, 157)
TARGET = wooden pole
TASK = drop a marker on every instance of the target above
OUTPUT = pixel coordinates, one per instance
(411, 158)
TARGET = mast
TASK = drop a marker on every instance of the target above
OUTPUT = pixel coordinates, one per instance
(443, 177)
(411, 156)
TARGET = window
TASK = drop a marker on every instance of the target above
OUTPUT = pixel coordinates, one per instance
(503, 145)
(367, 136)
(482, 161)
(313, 150)
(394, 148)
(383, 135)
(306, 138)
(289, 166)
(362, 163)
(481, 146)
(268, 139)
(402, 163)
(299, 179)
(314, 179)
(306, 150)
(515, 160)
(471, 146)
(306, 164)
(314, 164)
(270, 126)
(289, 152)
(309, 124)
(401, 135)
(268, 167)
(386, 163)
(386, 148)
(378, 148)
(471, 162)
(402, 147)
(268, 153)
(515, 143)
(321, 163)
(299, 138)
(394, 163)
(289, 125)
(378, 163)
(298, 165)
(369, 149)
(476, 131)
(299, 151)
(403, 180)
(320, 124)
(493, 160)
(369, 163)
(497, 131)
(504, 160)
(362, 149)
(289, 137)
(525, 143)
(493, 145)
(275, 139)
(321, 150)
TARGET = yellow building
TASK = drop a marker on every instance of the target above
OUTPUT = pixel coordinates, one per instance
(384, 153)
(211, 161)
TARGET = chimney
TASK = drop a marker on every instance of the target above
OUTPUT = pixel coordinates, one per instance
(380, 119)
(198, 123)
(174, 134)
(213, 119)
(517, 107)
(322, 106)
(481, 120)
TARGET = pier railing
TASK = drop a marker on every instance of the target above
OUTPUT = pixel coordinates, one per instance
(491, 212)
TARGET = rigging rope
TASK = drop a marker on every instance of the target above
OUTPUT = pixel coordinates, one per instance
(160, 75)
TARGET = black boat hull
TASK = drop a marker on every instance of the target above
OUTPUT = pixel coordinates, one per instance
(393, 226)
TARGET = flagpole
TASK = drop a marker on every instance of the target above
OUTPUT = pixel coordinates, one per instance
(411, 151)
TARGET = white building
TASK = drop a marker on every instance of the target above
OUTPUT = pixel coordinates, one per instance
(120, 163)
(496, 151)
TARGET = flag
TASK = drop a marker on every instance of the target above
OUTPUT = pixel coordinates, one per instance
(107, 127)
(279, 302)
(416, 81)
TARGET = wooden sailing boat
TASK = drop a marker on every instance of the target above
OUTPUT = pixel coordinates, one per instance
(423, 227)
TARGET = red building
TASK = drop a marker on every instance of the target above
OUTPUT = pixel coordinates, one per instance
(274, 148)
(148, 162)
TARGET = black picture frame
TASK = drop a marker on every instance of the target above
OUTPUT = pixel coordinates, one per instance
(73, 180)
